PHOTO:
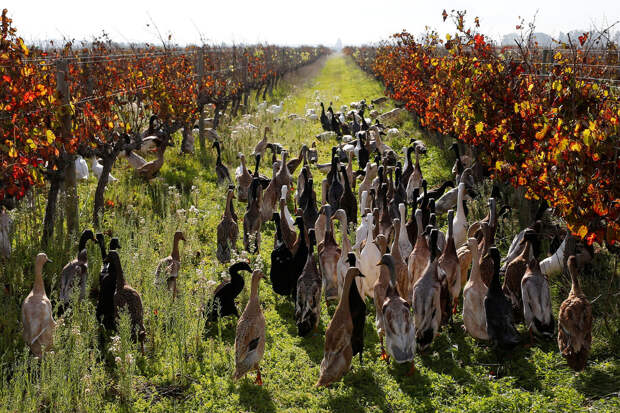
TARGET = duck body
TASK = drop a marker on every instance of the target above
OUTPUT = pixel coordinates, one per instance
(514, 275)
(399, 328)
(250, 334)
(252, 220)
(76, 269)
(225, 293)
(474, 314)
(168, 268)
(369, 257)
(281, 260)
(450, 270)
(128, 299)
(98, 170)
(227, 231)
(300, 256)
(329, 253)
(498, 309)
(81, 168)
(107, 287)
(426, 299)
(575, 323)
(537, 311)
(308, 300)
(243, 178)
(36, 314)
(340, 335)
(418, 259)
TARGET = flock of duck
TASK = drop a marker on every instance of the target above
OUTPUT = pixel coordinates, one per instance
(414, 273)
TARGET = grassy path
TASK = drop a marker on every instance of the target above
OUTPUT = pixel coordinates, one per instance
(188, 366)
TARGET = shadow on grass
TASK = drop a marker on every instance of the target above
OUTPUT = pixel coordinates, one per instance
(362, 389)
(596, 381)
(228, 327)
(313, 344)
(255, 398)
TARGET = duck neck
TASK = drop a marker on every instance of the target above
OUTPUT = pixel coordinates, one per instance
(228, 210)
(244, 168)
(408, 165)
(257, 165)
(254, 291)
(276, 220)
(346, 244)
(346, 289)
(575, 286)
(101, 243)
(235, 278)
(475, 265)
(120, 278)
(82, 244)
(347, 186)
(395, 246)
(175, 249)
(369, 220)
(38, 287)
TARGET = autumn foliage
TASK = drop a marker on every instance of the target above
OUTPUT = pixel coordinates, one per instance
(550, 128)
(113, 91)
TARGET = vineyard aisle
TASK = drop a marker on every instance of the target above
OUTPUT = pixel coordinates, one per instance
(188, 366)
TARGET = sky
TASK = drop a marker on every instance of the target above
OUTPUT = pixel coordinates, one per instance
(289, 22)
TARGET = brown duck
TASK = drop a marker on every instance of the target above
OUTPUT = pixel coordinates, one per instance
(128, 299)
(575, 323)
(227, 230)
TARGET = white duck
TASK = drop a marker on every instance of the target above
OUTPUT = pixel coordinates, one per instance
(474, 315)
(37, 316)
(275, 109)
(460, 220)
(98, 169)
(287, 214)
(81, 168)
(364, 202)
(403, 238)
(361, 233)
(343, 263)
(369, 257)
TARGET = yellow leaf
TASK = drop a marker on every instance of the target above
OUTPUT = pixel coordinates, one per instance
(50, 136)
(479, 128)
(448, 37)
(530, 87)
(516, 107)
(31, 144)
(583, 231)
(110, 125)
(587, 137)
(575, 146)
(12, 152)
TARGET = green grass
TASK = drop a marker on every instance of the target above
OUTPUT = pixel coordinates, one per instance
(188, 366)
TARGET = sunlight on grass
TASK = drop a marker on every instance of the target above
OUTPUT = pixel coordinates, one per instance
(188, 364)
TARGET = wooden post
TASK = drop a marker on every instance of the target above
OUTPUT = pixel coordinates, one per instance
(201, 117)
(71, 196)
